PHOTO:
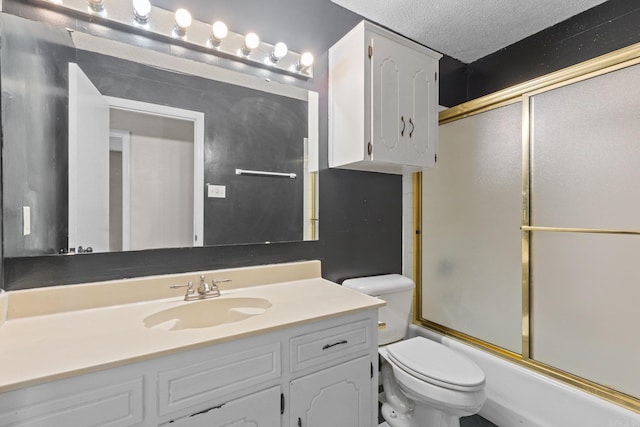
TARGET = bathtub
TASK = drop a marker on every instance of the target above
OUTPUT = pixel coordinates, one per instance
(519, 397)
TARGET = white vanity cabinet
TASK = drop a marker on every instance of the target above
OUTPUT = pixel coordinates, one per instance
(383, 97)
(261, 409)
(323, 372)
(114, 398)
(334, 394)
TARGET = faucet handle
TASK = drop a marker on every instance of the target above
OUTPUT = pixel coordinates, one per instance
(189, 287)
(215, 291)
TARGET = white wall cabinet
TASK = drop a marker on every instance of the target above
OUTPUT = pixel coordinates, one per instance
(324, 373)
(383, 97)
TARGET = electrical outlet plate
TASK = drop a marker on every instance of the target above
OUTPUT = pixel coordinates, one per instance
(216, 191)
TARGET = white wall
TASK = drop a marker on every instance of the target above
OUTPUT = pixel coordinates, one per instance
(161, 179)
(408, 229)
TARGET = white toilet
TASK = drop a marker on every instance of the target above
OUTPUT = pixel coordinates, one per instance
(425, 383)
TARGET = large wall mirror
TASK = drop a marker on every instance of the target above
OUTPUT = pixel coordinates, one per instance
(112, 147)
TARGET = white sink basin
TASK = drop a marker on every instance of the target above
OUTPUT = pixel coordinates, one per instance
(206, 313)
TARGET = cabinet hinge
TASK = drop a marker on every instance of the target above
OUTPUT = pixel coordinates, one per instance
(370, 51)
(371, 369)
(436, 75)
(281, 403)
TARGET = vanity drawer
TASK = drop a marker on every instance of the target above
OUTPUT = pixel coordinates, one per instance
(211, 380)
(97, 399)
(330, 344)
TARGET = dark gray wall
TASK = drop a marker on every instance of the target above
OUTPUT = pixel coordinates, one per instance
(360, 231)
(244, 128)
(607, 27)
(360, 212)
(34, 76)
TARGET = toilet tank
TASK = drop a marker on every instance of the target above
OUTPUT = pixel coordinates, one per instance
(397, 291)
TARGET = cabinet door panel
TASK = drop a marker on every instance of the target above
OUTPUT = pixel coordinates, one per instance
(422, 95)
(260, 409)
(104, 399)
(202, 381)
(387, 118)
(338, 397)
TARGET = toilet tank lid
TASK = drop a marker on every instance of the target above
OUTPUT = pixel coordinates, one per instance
(380, 285)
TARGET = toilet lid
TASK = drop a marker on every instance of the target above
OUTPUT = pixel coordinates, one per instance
(436, 364)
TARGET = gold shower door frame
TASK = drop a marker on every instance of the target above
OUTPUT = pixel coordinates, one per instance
(613, 61)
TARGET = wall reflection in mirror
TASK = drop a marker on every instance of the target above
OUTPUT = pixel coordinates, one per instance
(105, 152)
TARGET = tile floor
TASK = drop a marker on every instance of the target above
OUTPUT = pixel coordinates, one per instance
(472, 421)
(475, 421)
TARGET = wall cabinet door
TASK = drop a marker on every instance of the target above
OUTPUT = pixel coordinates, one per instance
(261, 409)
(403, 105)
(339, 396)
(421, 135)
(388, 124)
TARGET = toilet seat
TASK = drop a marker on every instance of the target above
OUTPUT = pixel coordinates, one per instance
(436, 364)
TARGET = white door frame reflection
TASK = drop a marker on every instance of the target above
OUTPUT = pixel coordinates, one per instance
(89, 172)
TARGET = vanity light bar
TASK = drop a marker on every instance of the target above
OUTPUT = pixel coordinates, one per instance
(178, 27)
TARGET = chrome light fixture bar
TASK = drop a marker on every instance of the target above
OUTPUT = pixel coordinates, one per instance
(140, 17)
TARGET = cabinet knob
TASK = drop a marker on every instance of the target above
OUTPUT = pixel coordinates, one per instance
(412, 127)
(404, 125)
(369, 148)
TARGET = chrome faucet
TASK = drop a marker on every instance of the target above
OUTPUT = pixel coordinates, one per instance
(207, 291)
(204, 291)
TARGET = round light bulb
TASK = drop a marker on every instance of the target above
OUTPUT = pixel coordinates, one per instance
(306, 60)
(219, 30)
(251, 41)
(279, 51)
(183, 19)
(141, 10)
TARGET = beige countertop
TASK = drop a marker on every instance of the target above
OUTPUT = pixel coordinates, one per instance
(38, 348)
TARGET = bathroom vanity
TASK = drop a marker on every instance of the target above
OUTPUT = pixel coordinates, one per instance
(289, 349)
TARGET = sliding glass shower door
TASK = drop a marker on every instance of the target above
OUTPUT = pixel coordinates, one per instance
(530, 231)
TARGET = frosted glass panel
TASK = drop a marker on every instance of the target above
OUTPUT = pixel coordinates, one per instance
(586, 290)
(586, 153)
(471, 228)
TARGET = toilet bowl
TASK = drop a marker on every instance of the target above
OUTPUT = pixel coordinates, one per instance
(425, 383)
(440, 385)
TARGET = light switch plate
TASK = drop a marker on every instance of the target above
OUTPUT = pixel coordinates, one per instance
(217, 191)
(26, 220)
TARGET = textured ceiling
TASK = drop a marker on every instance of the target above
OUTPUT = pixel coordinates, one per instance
(467, 29)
